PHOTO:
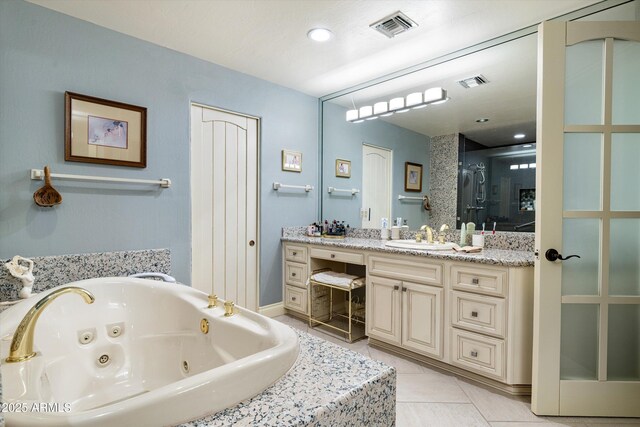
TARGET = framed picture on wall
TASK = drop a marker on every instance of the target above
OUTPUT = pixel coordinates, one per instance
(343, 168)
(291, 161)
(412, 177)
(101, 131)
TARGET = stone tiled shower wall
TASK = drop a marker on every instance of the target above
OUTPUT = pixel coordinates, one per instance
(52, 271)
(443, 180)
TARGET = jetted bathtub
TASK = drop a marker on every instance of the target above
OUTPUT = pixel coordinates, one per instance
(138, 356)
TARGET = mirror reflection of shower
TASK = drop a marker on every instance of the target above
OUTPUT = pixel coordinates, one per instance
(474, 181)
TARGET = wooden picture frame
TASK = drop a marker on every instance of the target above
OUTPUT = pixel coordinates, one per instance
(343, 168)
(107, 132)
(412, 177)
(291, 161)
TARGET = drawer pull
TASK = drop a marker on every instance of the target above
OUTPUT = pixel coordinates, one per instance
(295, 253)
(396, 287)
(293, 274)
(474, 353)
(475, 281)
(474, 314)
(333, 255)
(293, 298)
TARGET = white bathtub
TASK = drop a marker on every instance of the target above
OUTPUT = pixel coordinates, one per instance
(161, 368)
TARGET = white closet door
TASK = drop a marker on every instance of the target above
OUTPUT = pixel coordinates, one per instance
(376, 185)
(224, 194)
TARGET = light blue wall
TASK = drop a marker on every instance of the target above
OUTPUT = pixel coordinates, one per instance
(43, 54)
(343, 140)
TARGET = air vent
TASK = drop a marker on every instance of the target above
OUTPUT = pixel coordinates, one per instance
(394, 24)
(474, 81)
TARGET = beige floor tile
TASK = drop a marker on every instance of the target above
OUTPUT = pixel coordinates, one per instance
(605, 423)
(402, 365)
(495, 406)
(595, 421)
(429, 387)
(292, 321)
(438, 415)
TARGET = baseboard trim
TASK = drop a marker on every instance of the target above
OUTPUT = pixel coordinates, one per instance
(272, 310)
(516, 389)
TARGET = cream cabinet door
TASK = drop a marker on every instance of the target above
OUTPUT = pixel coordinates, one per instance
(422, 313)
(383, 309)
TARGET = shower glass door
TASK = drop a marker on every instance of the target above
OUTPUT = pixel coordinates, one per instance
(587, 325)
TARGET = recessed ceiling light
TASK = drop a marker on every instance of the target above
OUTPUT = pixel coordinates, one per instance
(319, 34)
(519, 135)
(483, 120)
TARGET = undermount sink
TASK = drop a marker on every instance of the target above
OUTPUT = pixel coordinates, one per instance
(424, 246)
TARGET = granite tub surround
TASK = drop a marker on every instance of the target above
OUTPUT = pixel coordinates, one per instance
(328, 385)
(52, 271)
(501, 257)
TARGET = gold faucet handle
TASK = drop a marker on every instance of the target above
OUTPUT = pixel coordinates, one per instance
(229, 308)
(213, 301)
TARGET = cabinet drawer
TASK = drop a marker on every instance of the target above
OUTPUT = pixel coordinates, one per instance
(295, 253)
(340, 256)
(295, 299)
(413, 271)
(478, 353)
(491, 281)
(478, 313)
(296, 274)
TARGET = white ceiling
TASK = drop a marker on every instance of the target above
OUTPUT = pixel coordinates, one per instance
(267, 38)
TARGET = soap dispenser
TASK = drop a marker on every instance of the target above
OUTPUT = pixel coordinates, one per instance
(463, 234)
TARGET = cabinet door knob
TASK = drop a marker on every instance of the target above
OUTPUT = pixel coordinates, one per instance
(404, 289)
(474, 353)
(396, 287)
(295, 253)
(333, 255)
(252, 242)
(474, 314)
(293, 298)
(475, 280)
(293, 274)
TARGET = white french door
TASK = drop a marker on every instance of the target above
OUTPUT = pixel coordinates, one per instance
(376, 185)
(224, 205)
(587, 309)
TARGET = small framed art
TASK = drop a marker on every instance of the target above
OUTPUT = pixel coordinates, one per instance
(412, 177)
(291, 161)
(343, 168)
(102, 131)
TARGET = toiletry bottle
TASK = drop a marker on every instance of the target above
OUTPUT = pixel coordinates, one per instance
(463, 234)
(471, 229)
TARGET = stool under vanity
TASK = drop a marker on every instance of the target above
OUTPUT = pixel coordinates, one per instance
(470, 315)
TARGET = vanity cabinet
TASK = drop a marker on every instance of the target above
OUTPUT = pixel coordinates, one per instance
(474, 319)
(296, 273)
(405, 313)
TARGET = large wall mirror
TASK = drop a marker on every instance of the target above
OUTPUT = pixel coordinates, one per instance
(459, 153)
(464, 154)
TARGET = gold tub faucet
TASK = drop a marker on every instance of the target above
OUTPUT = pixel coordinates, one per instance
(229, 307)
(22, 342)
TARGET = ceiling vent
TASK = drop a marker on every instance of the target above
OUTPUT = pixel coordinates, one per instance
(474, 81)
(394, 24)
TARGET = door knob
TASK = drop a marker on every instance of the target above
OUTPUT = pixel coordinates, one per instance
(252, 243)
(553, 255)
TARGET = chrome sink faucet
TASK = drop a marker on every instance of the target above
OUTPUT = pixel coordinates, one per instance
(22, 343)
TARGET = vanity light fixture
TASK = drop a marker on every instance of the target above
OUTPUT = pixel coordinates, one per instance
(526, 145)
(519, 135)
(532, 165)
(524, 166)
(513, 167)
(414, 100)
(319, 34)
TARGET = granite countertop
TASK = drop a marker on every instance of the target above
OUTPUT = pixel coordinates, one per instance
(503, 257)
(327, 385)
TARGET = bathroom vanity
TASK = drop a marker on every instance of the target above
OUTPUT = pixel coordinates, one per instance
(470, 314)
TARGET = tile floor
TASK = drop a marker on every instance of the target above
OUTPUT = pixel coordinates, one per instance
(429, 397)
